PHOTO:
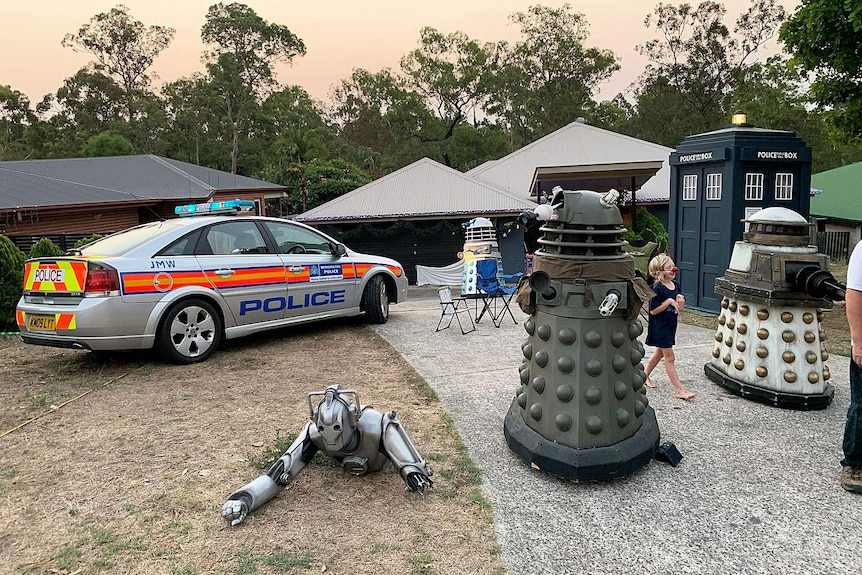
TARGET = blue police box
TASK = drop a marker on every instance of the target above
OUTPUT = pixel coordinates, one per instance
(719, 179)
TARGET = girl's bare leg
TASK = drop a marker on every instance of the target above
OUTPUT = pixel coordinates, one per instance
(651, 365)
(670, 367)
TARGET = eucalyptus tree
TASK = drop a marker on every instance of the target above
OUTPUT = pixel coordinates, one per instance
(823, 37)
(124, 49)
(16, 118)
(379, 112)
(242, 50)
(549, 77)
(453, 74)
(696, 62)
(195, 132)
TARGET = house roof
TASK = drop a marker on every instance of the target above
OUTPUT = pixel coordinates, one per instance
(424, 188)
(577, 144)
(841, 190)
(40, 183)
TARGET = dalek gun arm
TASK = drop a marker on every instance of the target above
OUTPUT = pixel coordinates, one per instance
(609, 304)
(815, 281)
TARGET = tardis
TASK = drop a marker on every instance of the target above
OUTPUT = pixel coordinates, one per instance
(720, 178)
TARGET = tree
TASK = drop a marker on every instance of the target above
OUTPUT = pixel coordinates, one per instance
(453, 74)
(11, 282)
(697, 57)
(823, 37)
(15, 119)
(547, 80)
(104, 145)
(314, 183)
(244, 49)
(124, 49)
(195, 129)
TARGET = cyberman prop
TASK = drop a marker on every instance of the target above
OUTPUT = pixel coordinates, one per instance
(359, 437)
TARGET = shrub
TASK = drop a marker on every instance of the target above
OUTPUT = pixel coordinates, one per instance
(649, 229)
(45, 248)
(11, 282)
(84, 241)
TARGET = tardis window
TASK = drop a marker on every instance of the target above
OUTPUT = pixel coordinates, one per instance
(754, 187)
(783, 186)
(689, 187)
(713, 186)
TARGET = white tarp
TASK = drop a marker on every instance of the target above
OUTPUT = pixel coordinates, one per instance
(446, 276)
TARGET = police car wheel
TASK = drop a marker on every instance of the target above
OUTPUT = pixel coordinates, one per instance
(375, 300)
(189, 332)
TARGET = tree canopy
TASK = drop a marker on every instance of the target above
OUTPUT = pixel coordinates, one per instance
(824, 38)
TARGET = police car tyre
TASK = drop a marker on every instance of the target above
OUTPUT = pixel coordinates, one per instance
(189, 332)
(375, 300)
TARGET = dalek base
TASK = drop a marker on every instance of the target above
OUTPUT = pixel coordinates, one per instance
(803, 402)
(582, 465)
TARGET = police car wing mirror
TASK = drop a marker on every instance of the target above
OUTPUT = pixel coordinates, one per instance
(339, 250)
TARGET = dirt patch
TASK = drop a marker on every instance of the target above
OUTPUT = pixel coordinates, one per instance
(131, 475)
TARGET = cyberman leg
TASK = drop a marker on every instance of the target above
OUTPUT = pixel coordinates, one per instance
(251, 496)
(404, 456)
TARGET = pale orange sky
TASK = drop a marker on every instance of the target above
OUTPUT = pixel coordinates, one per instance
(339, 35)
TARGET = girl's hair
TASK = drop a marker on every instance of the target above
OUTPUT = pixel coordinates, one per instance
(656, 265)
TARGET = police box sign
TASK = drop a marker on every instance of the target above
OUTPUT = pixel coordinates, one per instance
(803, 155)
(678, 158)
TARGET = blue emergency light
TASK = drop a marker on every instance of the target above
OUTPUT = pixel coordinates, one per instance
(213, 208)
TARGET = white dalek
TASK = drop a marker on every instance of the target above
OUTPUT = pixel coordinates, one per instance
(769, 345)
(480, 244)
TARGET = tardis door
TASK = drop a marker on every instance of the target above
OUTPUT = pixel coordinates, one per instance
(700, 251)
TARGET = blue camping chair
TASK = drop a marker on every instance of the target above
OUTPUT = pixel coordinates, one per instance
(496, 295)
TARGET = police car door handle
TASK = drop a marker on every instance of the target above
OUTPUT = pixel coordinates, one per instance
(296, 269)
(224, 272)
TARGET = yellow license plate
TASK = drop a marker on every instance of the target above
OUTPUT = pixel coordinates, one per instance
(41, 322)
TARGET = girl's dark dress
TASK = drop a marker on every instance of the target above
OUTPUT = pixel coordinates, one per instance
(662, 326)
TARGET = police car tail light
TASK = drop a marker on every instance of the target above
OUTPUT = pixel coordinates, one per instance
(101, 281)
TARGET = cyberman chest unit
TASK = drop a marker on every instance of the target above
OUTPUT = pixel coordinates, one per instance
(768, 343)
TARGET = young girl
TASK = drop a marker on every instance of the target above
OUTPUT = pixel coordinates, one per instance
(663, 309)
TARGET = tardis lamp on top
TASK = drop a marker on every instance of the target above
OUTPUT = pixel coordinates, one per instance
(740, 119)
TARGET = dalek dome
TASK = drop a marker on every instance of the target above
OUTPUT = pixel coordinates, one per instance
(777, 226)
(585, 208)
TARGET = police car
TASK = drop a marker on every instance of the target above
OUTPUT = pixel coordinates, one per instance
(183, 284)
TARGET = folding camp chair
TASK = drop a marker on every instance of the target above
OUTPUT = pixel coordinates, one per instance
(492, 287)
(453, 308)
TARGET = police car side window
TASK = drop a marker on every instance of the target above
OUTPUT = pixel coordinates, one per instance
(296, 240)
(232, 238)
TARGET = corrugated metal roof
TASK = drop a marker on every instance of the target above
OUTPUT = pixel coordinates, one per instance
(577, 144)
(841, 190)
(31, 183)
(424, 188)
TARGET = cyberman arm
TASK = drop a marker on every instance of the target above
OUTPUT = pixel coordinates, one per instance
(404, 456)
(251, 496)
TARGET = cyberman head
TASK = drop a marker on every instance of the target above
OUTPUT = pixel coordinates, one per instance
(335, 417)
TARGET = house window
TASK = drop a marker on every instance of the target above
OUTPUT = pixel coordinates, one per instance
(783, 186)
(713, 186)
(689, 187)
(754, 187)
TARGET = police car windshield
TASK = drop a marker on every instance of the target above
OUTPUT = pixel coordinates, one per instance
(119, 243)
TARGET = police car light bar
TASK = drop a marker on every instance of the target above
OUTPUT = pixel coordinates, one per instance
(213, 208)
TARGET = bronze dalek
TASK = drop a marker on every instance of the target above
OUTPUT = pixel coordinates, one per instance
(768, 344)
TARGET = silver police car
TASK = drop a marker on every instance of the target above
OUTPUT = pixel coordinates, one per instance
(183, 284)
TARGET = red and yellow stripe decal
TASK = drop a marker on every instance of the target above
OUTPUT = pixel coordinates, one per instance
(45, 276)
(362, 269)
(61, 320)
(249, 277)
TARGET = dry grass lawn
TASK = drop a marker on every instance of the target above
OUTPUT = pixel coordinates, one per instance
(130, 478)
